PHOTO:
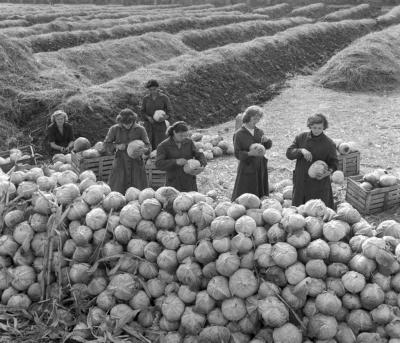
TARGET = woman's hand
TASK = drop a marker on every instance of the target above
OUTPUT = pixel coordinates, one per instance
(181, 161)
(120, 146)
(321, 176)
(307, 155)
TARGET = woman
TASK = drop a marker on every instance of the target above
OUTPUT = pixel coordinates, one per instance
(152, 102)
(252, 173)
(172, 155)
(307, 148)
(126, 172)
(60, 134)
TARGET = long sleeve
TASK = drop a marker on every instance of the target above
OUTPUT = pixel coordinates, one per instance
(268, 144)
(146, 140)
(51, 134)
(162, 162)
(70, 135)
(168, 107)
(110, 140)
(143, 109)
(293, 152)
(240, 153)
(332, 158)
(198, 155)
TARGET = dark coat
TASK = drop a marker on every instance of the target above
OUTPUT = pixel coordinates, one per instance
(55, 136)
(126, 172)
(156, 130)
(306, 188)
(252, 172)
(167, 154)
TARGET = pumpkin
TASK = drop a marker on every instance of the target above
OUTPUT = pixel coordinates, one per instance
(387, 180)
(318, 167)
(81, 144)
(159, 116)
(193, 167)
(258, 149)
(136, 148)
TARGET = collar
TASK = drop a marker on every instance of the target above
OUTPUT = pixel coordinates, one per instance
(310, 136)
(185, 141)
(132, 127)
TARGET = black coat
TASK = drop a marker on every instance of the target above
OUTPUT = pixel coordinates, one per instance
(167, 154)
(252, 173)
(306, 188)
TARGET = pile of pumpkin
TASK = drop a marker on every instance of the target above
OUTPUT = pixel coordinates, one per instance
(183, 267)
(212, 146)
(378, 178)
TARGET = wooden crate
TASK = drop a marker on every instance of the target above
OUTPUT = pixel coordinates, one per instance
(350, 164)
(101, 166)
(26, 150)
(155, 177)
(374, 201)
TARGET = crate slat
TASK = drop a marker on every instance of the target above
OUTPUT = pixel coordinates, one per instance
(350, 164)
(155, 177)
(101, 166)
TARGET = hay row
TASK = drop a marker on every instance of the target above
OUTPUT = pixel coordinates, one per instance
(235, 33)
(390, 18)
(94, 24)
(13, 22)
(229, 77)
(276, 11)
(59, 40)
(48, 16)
(369, 64)
(311, 11)
(100, 62)
(356, 12)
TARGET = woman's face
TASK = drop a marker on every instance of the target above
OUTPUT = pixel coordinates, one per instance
(127, 125)
(254, 120)
(59, 120)
(153, 90)
(180, 136)
(317, 129)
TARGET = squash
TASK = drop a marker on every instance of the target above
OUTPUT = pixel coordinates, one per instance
(159, 116)
(316, 168)
(258, 148)
(366, 186)
(387, 180)
(193, 167)
(136, 148)
(81, 144)
(344, 148)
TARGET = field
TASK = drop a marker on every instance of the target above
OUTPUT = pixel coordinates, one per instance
(337, 57)
(94, 60)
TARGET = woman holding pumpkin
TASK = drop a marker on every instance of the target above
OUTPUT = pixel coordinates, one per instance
(252, 173)
(174, 153)
(127, 171)
(309, 147)
(156, 109)
(60, 134)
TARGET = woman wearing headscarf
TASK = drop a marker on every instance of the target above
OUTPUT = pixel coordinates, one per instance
(126, 171)
(60, 134)
(252, 172)
(173, 153)
(151, 103)
(307, 148)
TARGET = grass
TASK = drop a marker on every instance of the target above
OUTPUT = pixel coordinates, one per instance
(316, 10)
(356, 12)
(370, 63)
(238, 32)
(275, 11)
(228, 77)
(100, 62)
(58, 40)
(13, 22)
(390, 18)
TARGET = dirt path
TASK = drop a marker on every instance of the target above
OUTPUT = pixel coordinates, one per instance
(370, 119)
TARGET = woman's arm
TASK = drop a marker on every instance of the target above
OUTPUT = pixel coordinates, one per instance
(145, 139)
(168, 107)
(332, 161)
(162, 162)
(294, 151)
(51, 136)
(240, 153)
(70, 137)
(143, 111)
(266, 142)
(110, 140)
(198, 155)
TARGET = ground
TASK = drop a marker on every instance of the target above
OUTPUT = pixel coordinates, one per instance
(370, 119)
